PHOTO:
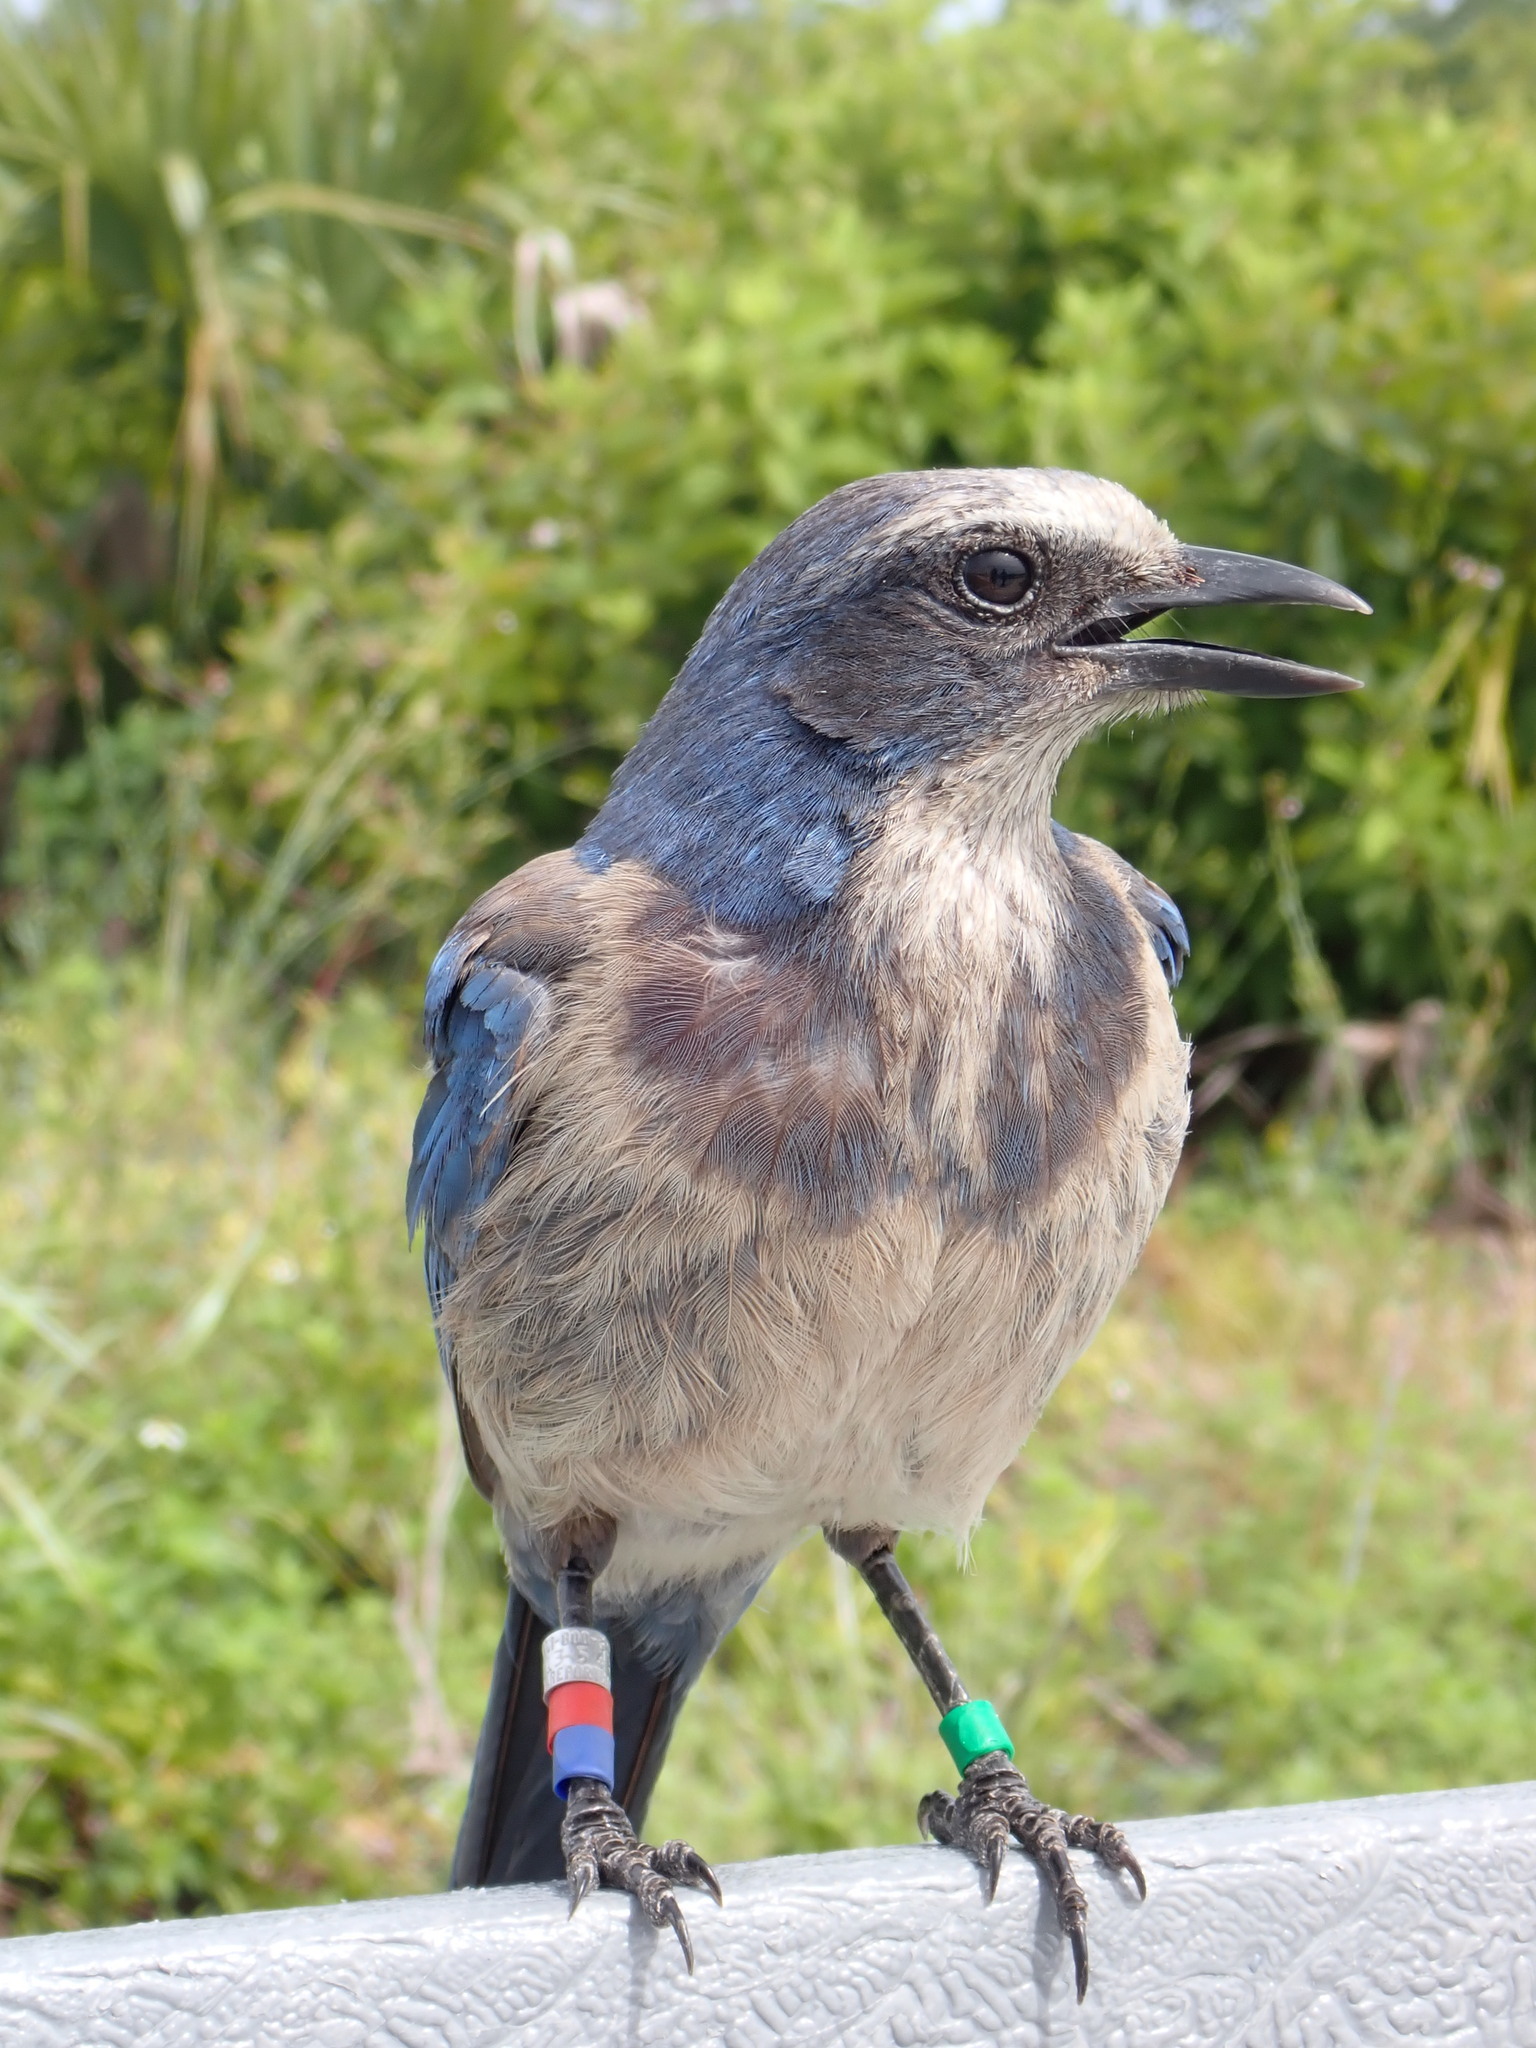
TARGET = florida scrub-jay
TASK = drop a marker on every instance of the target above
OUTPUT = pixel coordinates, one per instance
(790, 1135)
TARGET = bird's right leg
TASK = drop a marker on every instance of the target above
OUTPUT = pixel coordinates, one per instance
(600, 1843)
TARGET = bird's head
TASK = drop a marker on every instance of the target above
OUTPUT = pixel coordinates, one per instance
(910, 629)
(922, 616)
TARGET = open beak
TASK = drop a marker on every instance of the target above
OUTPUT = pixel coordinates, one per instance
(1215, 576)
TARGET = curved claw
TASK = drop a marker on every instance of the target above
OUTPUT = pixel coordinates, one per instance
(697, 1871)
(582, 1874)
(1110, 1846)
(996, 1850)
(681, 1862)
(1079, 1941)
(670, 1912)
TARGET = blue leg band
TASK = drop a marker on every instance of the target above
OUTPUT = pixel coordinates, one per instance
(582, 1752)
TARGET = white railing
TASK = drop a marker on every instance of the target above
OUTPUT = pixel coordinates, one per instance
(1403, 1920)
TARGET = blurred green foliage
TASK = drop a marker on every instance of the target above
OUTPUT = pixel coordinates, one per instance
(387, 391)
(217, 1414)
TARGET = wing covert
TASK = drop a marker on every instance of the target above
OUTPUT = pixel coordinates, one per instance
(1165, 927)
(1158, 912)
(489, 1001)
(469, 1116)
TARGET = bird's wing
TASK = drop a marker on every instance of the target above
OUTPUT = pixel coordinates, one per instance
(1165, 926)
(490, 998)
(1157, 910)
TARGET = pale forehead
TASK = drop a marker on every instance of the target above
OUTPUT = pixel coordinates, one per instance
(1064, 503)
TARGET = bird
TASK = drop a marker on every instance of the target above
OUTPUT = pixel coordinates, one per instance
(788, 1137)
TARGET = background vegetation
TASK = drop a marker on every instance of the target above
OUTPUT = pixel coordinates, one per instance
(386, 392)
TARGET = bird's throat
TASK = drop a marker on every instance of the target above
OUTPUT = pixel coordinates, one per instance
(962, 889)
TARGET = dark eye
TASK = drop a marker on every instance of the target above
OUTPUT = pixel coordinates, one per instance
(998, 578)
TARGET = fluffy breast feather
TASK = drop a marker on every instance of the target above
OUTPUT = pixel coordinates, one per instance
(805, 1226)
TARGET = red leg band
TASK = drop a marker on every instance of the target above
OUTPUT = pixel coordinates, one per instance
(579, 1704)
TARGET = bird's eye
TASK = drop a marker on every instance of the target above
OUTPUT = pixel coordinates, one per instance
(998, 578)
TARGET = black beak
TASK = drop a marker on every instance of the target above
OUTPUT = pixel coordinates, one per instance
(1215, 576)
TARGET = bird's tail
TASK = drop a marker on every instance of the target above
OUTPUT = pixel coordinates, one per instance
(510, 1833)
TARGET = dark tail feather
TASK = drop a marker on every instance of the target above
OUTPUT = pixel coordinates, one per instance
(511, 1828)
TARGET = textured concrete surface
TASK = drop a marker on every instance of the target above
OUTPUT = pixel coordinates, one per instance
(1381, 1920)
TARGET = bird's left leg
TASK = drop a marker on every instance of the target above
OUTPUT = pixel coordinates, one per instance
(597, 1835)
(993, 1802)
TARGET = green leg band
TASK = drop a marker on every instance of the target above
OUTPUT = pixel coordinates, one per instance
(974, 1729)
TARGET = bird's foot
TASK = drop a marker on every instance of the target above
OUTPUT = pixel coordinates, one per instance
(601, 1847)
(995, 1804)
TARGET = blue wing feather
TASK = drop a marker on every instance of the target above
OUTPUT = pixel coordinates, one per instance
(479, 1013)
(487, 992)
(1159, 913)
(469, 1118)
(1167, 930)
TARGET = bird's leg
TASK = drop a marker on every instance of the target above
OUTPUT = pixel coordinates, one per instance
(600, 1843)
(992, 1803)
